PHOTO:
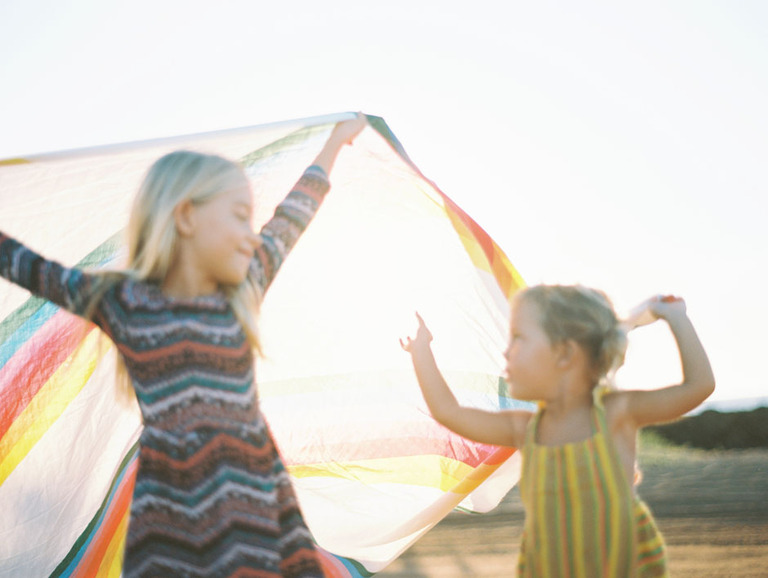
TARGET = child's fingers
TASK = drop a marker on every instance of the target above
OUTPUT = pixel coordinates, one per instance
(665, 305)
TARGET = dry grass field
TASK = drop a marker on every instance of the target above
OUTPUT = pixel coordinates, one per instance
(711, 506)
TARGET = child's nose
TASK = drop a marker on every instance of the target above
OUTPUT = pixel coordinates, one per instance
(255, 240)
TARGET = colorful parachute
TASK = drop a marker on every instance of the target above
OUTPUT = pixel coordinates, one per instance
(372, 470)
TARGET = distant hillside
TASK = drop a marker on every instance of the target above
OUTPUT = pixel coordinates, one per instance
(728, 405)
(713, 429)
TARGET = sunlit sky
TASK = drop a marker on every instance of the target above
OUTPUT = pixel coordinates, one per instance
(619, 146)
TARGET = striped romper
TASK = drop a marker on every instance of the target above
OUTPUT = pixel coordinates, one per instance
(212, 496)
(582, 516)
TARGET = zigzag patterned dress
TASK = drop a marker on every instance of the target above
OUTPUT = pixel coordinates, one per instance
(212, 496)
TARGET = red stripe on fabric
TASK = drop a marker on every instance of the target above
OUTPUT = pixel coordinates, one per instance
(331, 567)
(501, 454)
(482, 238)
(501, 273)
(27, 371)
(119, 505)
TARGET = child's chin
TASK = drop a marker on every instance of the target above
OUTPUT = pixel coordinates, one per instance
(234, 280)
(519, 393)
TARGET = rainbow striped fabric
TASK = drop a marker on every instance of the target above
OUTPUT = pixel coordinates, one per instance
(373, 472)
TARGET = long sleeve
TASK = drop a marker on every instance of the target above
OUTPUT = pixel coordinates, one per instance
(68, 288)
(291, 218)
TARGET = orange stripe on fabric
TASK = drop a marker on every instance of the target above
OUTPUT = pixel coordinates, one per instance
(118, 510)
(499, 456)
(483, 471)
(332, 567)
(112, 564)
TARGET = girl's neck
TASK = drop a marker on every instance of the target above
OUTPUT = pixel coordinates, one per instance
(567, 415)
(185, 283)
(562, 405)
(565, 420)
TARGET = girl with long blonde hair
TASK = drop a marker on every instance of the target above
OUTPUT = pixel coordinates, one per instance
(212, 496)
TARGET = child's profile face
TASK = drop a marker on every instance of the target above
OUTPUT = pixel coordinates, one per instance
(224, 239)
(530, 356)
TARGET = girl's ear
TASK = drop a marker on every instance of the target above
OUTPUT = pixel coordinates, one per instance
(568, 352)
(184, 218)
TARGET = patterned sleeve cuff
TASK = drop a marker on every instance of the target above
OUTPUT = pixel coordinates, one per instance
(316, 170)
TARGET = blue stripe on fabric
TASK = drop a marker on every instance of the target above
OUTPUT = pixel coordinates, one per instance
(73, 558)
(26, 330)
(355, 569)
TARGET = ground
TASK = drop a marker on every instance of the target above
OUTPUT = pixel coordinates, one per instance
(710, 505)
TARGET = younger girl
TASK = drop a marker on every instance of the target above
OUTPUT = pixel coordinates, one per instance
(212, 497)
(583, 518)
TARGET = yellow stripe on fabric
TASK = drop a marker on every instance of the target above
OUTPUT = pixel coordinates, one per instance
(430, 471)
(49, 403)
(614, 533)
(499, 266)
(541, 507)
(563, 526)
(112, 564)
(577, 513)
(475, 478)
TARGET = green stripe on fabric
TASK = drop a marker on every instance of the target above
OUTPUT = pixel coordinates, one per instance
(285, 143)
(86, 535)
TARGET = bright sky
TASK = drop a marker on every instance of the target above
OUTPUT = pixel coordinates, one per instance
(621, 147)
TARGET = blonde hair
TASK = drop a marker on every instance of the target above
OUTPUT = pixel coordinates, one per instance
(584, 315)
(152, 237)
(174, 178)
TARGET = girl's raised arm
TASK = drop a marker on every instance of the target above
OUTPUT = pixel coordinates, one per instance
(503, 428)
(669, 403)
(292, 215)
(343, 133)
